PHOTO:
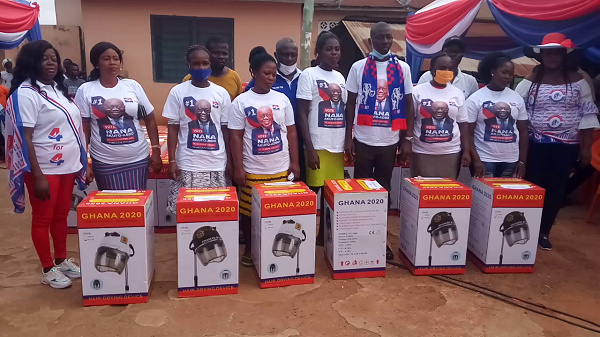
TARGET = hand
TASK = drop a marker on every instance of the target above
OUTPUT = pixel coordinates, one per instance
(295, 169)
(405, 152)
(156, 161)
(350, 150)
(239, 177)
(42, 188)
(314, 163)
(585, 156)
(520, 170)
(174, 171)
(479, 169)
(229, 171)
(466, 159)
(89, 176)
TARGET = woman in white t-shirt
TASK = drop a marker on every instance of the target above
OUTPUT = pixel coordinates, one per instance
(198, 136)
(497, 121)
(440, 124)
(112, 108)
(264, 144)
(321, 117)
(46, 155)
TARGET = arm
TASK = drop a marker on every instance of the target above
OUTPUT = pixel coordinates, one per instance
(523, 148)
(464, 140)
(405, 145)
(152, 130)
(227, 140)
(479, 167)
(172, 140)
(87, 130)
(350, 112)
(42, 188)
(292, 137)
(237, 149)
(303, 111)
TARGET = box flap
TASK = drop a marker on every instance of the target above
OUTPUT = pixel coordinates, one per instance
(354, 186)
(207, 204)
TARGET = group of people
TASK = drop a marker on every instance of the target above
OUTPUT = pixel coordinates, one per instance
(289, 124)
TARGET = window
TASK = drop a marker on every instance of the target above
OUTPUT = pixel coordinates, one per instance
(171, 37)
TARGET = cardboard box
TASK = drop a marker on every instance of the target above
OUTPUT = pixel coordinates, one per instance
(355, 227)
(434, 225)
(505, 224)
(207, 241)
(76, 198)
(116, 246)
(284, 233)
(404, 173)
(160, 182)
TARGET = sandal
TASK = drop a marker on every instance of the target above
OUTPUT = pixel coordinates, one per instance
(247, 261)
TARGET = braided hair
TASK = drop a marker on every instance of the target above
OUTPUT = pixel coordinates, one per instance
(539, 72)
(194, 48)
(258, 57)
(489, 63)
(29, 66)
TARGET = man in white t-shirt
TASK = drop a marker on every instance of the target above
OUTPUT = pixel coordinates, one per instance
(455, 48)
(378, 127)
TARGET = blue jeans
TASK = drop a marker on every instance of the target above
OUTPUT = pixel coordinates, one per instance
(499, 169)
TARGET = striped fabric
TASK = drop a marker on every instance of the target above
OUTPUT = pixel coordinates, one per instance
(252, 179)
(132, 176)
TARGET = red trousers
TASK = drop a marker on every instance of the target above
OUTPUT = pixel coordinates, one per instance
(50, 217)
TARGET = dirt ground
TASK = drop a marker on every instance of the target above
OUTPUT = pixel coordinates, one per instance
(400, 304)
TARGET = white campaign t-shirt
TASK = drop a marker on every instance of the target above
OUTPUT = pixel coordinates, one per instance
(265, 118)
(465, 82)
(438, 135)
(117, 137)
(201, 147)
(496, 137)
(54, 137)
(375, 135)
(326, 117)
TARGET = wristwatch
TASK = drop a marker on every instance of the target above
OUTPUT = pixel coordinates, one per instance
(410, 139)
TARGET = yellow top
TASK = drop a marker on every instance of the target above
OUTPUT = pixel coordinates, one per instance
(230, 82)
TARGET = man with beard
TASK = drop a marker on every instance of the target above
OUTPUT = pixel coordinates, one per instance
(443, 124)
(118, 121)
(203, 122)
(335, 103)
(455, 48)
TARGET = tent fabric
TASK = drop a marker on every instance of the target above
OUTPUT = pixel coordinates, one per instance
(17, 17)
(545, 10)
(583, 30)
(18, 21)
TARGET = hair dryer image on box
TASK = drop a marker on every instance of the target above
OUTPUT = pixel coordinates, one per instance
(443, 231)
(208, 246)
(287, 241)
(515, 230)
(113, 255)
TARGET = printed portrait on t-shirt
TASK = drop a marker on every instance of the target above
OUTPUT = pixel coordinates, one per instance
(202, 131)
(383, 109)
(116, 127)
(499, 124)
(266, 134)
(436, 126)
(331, 109)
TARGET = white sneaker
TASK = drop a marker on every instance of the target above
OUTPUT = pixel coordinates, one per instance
(56, 279)
(69, 268)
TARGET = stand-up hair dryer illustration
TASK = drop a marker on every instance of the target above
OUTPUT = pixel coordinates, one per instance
(515, 230)
(287, 241)
(443, 231)
(208, 247)
(112, 255)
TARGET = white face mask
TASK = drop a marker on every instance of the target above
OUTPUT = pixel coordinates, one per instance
(287, 70)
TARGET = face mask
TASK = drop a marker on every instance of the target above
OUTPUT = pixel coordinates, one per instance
(200, 74)
(379, 55)
(287, 70)
(443, 76)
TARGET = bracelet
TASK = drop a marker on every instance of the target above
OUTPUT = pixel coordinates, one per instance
(172, 161)
(156, 147)
(520, 162)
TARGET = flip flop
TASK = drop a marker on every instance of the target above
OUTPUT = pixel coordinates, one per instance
(247, 262)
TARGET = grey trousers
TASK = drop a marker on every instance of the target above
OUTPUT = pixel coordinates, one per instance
(435, 165)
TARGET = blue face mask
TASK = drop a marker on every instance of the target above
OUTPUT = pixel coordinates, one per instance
(381, 56)
(200, 74)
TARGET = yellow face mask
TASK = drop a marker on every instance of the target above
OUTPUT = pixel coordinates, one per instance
(443, 76)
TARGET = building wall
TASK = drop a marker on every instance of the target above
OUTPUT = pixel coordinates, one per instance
(127, 24)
